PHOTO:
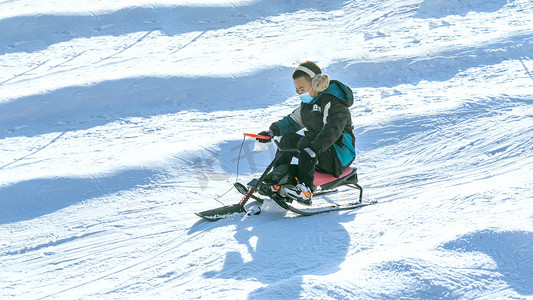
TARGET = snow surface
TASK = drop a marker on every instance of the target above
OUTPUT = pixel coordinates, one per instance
(120, 119)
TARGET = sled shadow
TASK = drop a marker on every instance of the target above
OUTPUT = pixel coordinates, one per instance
(441, 9)
(284, 251)
(44, 30)
(512, 251)
(31, 199)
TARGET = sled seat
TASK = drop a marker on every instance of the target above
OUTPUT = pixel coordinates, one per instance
(328, 181)
(348, 178)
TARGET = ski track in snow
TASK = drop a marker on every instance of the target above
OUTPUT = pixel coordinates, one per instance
(120, 120)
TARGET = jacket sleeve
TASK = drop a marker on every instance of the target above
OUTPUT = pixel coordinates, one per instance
(336, 116)
(290, 123)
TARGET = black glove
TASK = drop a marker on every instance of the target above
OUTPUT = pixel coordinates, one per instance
(265, 133)
(277, 174)
(274, 129)
(307, 154)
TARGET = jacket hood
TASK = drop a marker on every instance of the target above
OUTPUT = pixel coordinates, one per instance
(340, 91)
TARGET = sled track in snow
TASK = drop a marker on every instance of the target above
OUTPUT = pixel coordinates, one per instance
(168, 245)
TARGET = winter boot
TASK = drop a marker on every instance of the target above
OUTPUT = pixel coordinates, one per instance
(300, 193)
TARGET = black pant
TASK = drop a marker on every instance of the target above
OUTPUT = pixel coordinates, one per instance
(326, 161)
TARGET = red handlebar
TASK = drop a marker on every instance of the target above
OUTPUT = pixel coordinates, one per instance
(257, 136)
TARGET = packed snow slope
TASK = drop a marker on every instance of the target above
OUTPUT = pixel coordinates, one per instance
(120, 119)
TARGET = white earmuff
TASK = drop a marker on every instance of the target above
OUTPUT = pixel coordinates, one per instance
(319, 82)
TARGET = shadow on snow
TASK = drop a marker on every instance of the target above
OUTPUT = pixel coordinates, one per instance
(31, 199)
(282, 254)
(83, 107)
(45, 30)
(441, 9)
(385, 134)
(441, 67)
(512, 251)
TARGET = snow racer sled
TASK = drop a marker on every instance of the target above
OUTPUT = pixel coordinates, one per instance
(273, 188)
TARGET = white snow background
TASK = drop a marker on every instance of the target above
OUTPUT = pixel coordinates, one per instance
(120, 119)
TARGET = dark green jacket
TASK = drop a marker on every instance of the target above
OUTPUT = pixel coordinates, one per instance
(328, 119)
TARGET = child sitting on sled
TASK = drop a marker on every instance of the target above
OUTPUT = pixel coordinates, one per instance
(328, 144)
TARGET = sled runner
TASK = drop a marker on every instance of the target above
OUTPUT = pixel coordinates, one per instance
(325, 183)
